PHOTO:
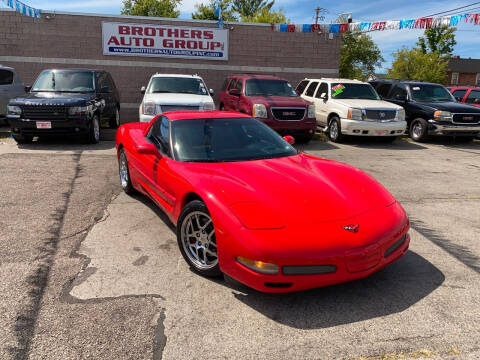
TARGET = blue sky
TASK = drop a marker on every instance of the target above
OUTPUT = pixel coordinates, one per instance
(302, 11)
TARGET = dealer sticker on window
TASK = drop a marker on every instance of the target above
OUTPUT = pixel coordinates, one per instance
(338, 89)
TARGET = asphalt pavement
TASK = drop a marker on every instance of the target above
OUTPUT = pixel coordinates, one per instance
(87, 272)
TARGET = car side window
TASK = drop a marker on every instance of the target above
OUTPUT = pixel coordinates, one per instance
(383, 89)
(302, 86)
(398, 92)
(160, 135)
(322, 89)
(473, 97)
(232, 84)
(225, 84)
(459, 94)
(6, 77)
(239, 86)
(101, 81)
(110, 83)
(311, 89)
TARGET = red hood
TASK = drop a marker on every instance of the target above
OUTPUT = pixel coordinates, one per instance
(280, 101)
(297, 189)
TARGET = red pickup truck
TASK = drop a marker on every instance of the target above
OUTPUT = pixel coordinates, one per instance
(271, 100)
(466, 94)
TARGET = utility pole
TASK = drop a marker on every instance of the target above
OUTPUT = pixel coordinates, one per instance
(319, 11)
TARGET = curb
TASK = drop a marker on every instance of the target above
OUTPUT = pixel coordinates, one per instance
(105, 134)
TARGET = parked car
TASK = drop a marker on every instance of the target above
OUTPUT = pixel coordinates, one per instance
(466, 94)
(172, 92)
(245, 203)
(351, 107)
(65, 102)
(430, 109)
(10, 87)
(271, 100)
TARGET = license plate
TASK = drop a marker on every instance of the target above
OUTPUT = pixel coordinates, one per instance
(44, 124)
(380, 132)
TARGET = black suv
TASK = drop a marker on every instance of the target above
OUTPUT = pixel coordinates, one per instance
(430, 109)
(65, 102)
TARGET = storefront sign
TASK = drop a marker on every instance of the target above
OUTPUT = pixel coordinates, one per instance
(126, 39)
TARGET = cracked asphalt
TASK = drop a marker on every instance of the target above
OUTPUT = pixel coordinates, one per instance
(87, 272)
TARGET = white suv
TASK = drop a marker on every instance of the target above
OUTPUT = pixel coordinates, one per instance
(10, 87)
(168, 92)
(351, 107)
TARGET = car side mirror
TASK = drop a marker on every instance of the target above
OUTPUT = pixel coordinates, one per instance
(324, 96)
(147, 149)
(143, 90)
(105, 90)
(458, 98)
(212, 93)
(476, 101)
(400, 97)
(234, 92)
(289, 139)
(28, 88)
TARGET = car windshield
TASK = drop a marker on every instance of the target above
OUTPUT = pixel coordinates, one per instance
(177, 85)
(354, 91)
(260, 87)
(65, 81)
(436, 93)
(226, 140)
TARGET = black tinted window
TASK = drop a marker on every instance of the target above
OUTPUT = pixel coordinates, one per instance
(302, 86)
(398, 92)
(311, 89)
(225, 84)
(6, 77)
(427, 92)
(473, 97)
(460, 94)
(239, 85)
(232, 84)
(383, 89)
(65, 81)
(322, 89)
(160, 134)
(110, 82)
(264, 87)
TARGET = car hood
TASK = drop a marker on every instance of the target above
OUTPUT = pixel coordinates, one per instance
(178, 99)
(54, 98)
(367, 104)
(296, 189)
(280, 101)
(451, 106)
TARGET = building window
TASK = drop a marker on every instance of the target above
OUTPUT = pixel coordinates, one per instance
(454, 78)
(478, 79)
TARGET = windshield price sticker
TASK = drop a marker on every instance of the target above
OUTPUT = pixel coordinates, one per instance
(416, 88)
(338, 89)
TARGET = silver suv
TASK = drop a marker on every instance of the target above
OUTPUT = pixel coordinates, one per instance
(10, 87)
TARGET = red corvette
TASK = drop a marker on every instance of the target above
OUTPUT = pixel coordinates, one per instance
(248, 205)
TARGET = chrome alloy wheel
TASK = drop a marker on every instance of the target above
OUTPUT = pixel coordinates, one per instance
(117, 117)
(417, 130)
(333, 130)
(123, 170)
(96, 128)
(198, 240)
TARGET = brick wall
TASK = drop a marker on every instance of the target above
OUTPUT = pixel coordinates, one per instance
(68, 38)
(464, 79)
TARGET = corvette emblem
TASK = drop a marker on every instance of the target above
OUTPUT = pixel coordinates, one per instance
(352, 228)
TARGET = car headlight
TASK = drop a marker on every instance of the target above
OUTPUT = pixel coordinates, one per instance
(14, 110)
(260, 111)
(258, 266)
(150, 108)
(355, 114)
(208, 106)
(443, 115)
(311, 111)
(400, 115)
(78, 110)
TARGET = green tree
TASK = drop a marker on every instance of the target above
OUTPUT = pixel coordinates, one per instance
(439, 39)
(359, 56)
(415, 65)
(266, 15)
(207, 12)
(159, 8)
(248, 8)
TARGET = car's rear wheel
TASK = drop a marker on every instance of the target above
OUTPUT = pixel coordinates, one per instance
(115, 120)
(23, 139)
(419, 130)
(196, 239)
(221, 107)
(93, 136)
(335, 130)
(124, 173)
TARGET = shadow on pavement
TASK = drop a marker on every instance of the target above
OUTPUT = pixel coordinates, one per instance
(455, 142)
(379, 143)
(66, 144)
(389, 291)
(317, 145)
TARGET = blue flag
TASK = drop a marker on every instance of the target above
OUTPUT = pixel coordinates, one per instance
(23, 9)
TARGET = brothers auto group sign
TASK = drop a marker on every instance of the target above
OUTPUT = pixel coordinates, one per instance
(128, 39)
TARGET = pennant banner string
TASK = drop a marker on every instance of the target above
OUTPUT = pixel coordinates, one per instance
(23, 9)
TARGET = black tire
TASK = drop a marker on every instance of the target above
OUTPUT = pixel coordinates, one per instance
(201, 237)
(23, 139)
(93, 135)
(335, 130)
(304, 138)
(419, 130)
(114, 122)
(124, 173)
(221, 107)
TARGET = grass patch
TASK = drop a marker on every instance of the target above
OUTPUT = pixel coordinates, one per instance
(320, 136)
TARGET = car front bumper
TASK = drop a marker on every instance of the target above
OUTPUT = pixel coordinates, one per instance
(372, 128)
(69, 126)
(446, 128)
(291, 127)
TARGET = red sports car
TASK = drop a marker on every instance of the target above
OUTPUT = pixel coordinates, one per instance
(248, 205)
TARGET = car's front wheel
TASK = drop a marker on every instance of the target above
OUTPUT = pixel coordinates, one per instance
(93, 136)
(115, 120)
(419, 130)
(124, 173)
(335, 130)
(196, 239)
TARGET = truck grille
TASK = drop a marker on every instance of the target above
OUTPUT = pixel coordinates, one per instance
(44, 112)
(167, 108)
(380, 115)
(289, 114)
(466, 118)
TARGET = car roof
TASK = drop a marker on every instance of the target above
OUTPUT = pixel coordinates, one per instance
(408, 82)
(6, 68)
(255, 76)
(215, 114)
(73, 70)
(464, 87)
(337, 80)
(176, 75)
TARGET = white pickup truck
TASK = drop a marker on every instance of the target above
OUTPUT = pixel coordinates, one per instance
(351, 107)
(10, 87)
(170, 92)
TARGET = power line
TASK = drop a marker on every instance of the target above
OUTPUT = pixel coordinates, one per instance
(448, 11)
